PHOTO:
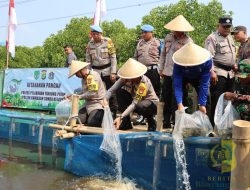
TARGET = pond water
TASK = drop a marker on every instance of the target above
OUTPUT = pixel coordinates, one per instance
(26, 167)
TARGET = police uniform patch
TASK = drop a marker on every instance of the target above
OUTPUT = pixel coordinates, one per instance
(92, 86)
(141, 91)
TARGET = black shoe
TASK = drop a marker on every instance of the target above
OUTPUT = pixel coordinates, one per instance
(125, 125)
(166, 125)
(151, 124)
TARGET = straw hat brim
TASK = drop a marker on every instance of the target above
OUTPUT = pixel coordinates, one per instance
(179, 24)
(132, 69)
(76, 66)
(191, 55)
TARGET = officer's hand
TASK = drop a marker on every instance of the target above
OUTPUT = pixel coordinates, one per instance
(105, 102)
(68, 97)
(160, 73)
(113, 77)
(117, 122)
(203, 109)
(181, 107)
(229, 96)
(214, 78)
(235, 68)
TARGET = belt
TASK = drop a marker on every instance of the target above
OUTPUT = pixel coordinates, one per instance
(101, 67)
(154, 66)
(224, 67)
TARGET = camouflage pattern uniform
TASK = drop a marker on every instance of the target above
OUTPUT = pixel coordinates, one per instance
(242, 101)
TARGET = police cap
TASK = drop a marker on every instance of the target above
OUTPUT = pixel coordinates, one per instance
(96, 28)
(225, 20)
(238, 29)
(147, 28)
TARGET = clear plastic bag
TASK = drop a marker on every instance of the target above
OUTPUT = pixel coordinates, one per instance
(111, 141)
(225, 114)
(196, 124)
(63, 111)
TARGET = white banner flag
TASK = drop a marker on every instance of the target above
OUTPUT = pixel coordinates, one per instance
(12, 28)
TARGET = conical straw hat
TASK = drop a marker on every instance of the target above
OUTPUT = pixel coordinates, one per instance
(191, 55)
(180, 24)
(76, 66)
(132, 69)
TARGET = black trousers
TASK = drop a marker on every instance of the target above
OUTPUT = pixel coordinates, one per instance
(169, 100)
(113, 100)
(196, 84)
(223, 85)
(93, 119)
(146, 108)
(154, 77)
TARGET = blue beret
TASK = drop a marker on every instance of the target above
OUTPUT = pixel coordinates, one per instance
(96, 28)
(147, 28)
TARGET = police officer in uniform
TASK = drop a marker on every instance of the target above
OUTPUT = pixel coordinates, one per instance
(240, 35)
(241, 99)
(138, 96)
(221, 45)
(193, 64)
(93, 92)
(101, 55)
(147, 52)
(172, 42)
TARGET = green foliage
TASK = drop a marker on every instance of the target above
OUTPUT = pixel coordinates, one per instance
(203, 17)
(123, 38)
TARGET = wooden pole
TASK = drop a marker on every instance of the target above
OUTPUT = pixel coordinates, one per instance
(240, 176)
(74, 111)
(160, 106)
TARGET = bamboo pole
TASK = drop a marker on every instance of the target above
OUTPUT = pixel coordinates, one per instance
(67, 135)
(94, 130)
(160, 116)
(74, 111)
(78, 129)
(240, 176)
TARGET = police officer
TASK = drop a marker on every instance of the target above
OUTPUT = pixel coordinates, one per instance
(70, 55)
(240, 35)
(101, 55)
(139, 95)
(241, 99)
(172, 42)
(192, 64)
(221, 45)
(93, 92)
(147, 52)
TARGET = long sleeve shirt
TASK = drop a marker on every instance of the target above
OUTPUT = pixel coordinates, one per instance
(171, 45)
(93, 91)
(142, 91)
(199, 72)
